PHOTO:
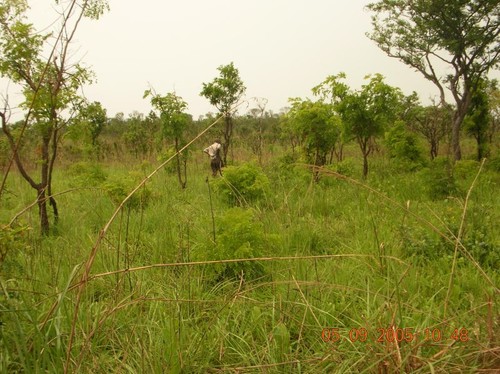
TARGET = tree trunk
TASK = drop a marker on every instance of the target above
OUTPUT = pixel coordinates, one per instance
(365, 165)
(39, 187)
(455, 137)
(178, 158)
(42, 210)
(227, 137)
(365, 150)
(50, 170)
(434, 149)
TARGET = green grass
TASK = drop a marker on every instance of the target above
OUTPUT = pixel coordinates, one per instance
(367, 257)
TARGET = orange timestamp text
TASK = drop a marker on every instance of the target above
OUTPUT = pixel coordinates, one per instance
(393, 334)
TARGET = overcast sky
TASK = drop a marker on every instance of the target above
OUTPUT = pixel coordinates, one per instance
(282, 48)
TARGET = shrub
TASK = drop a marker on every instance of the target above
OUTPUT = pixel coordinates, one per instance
(346, 167)
(439, 179)
(86, 174)
(243, 184)
(239, 235)
(11, 240)
(118, 189)
(494, 164)
(402, 146)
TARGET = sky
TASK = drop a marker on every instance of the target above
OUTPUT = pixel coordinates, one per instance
(282, 48)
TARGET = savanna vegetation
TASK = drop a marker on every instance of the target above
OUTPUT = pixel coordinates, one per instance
(348, 232)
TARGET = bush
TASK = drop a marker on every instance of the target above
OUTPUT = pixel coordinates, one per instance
(439, 179)
(402, 146)
(345, 167)
(239, 235)
(243, 184)
(119, 188)
(493, 164)
(86, 174)
(11, 240)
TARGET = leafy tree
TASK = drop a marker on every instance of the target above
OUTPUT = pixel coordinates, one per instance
(494, 101)
(224, 92)
(402, 145)
(364, 113)
(432, 122)
(426, 35)
(174, 122)
(317, 128)
(86, 127)
(479, 118)
(94, 117)
(332, 90)
(49, 86)
(136, 136)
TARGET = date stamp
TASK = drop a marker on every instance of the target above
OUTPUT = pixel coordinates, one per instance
(393, 334)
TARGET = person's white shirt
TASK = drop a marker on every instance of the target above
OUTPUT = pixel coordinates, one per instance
(212, 150)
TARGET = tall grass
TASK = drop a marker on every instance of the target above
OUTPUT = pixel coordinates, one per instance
(340, 256)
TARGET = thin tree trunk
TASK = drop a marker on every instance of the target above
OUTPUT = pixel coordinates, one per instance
(52, 161)
(227, 137)
(455, 137)
(365, 166)
(179, 174)
(42, 209)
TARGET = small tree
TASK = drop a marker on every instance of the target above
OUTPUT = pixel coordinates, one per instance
(432, 122)
(174, 122)
(364, 113)
(136, 136)
(224, 92)
(50, 86)
(317, 128)
(332, 90)
(88, 125)
(94, 117)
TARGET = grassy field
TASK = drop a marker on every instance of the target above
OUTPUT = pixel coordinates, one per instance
(262, 270)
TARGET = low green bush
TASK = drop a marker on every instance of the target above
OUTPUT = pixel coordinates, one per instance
(243, 184)
(439, 179)
(239, 235)
(86, 174)
(118, 189)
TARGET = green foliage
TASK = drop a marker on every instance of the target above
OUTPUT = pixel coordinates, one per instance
(316, 127)
(364, 113)
(243, 184)
(93, 119)
(478, 120)
(174, 122)
(493, 164)
(118, 188)
(255, 313)
(464, 171)
(402, 146)
(225, 90)
(239, 235)
(11, 239)
(468, 31)
(345, 167)
(86, 174)
(426, 248)
(171, 109)
(482, 248)
(168, 153)
(439, 179)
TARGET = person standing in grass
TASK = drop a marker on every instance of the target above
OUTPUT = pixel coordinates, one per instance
(215, 160)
